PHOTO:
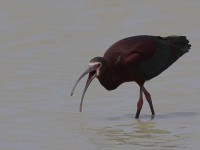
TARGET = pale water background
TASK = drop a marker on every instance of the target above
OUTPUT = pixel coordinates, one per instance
(46, 44)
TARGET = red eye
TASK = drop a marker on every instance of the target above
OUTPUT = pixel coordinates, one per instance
(98, 65)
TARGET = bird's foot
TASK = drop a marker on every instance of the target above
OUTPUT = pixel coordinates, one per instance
(152, 116)
(136, 116)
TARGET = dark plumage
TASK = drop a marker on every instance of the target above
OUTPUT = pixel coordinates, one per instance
(138, 58)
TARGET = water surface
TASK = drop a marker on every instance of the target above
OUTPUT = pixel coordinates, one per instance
(46, 45)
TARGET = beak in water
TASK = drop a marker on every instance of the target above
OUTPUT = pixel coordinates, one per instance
(92, 74)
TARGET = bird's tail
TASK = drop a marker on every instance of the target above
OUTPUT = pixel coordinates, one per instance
(175, 47)
(179, 44)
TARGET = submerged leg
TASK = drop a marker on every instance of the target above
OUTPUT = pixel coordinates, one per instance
(139, 104)
(149, 100)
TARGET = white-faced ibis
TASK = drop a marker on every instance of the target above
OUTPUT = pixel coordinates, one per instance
(138, 58)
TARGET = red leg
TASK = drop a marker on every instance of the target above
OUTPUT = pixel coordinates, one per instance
(139, 104)
(149, 100)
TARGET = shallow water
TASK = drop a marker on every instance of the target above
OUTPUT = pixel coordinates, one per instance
(46, 45)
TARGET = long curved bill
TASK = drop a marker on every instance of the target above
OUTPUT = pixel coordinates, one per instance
(89, 80)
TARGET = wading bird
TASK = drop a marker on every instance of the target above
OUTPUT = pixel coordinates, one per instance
(137, 58)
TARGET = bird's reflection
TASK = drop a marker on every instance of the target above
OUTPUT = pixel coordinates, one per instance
(139, 133)
(148, 127)
(135, 133)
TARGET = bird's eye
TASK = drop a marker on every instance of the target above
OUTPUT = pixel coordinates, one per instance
(98, 65)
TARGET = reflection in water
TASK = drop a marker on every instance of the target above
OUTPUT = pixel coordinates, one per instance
(160, 133)
(148, 127)
(137, 134)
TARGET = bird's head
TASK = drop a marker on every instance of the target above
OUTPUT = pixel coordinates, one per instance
(96, 67)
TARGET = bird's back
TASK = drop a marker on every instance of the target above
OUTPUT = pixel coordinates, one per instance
(168, 50)
(154, 54)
